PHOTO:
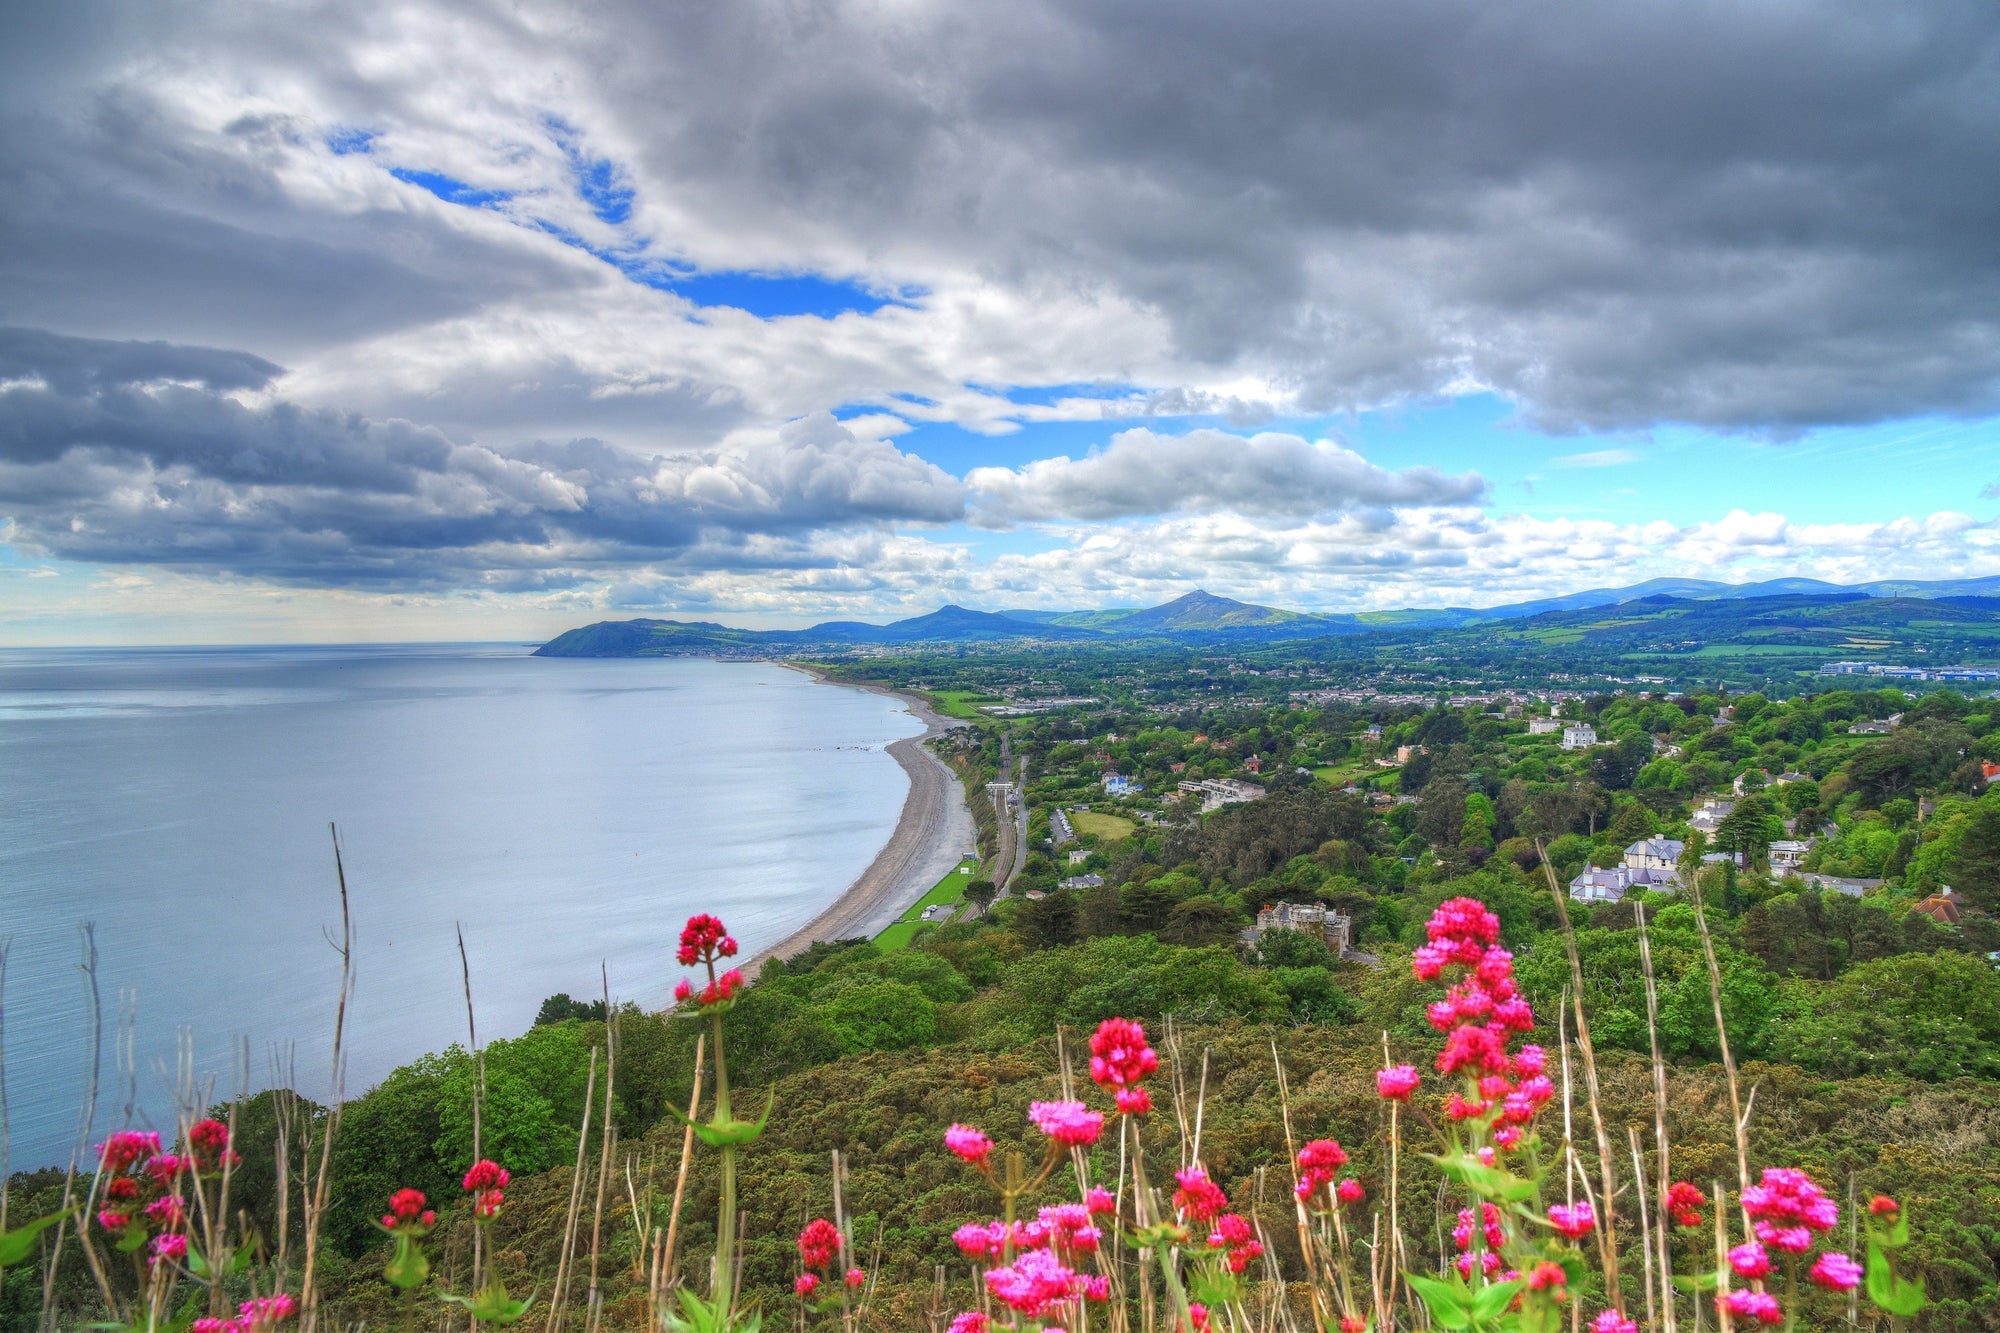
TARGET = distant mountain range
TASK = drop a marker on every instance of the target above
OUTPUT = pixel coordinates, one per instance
(1197, 617)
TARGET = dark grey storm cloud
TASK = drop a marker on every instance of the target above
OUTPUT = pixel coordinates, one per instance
(1764, 214)
(123, 452)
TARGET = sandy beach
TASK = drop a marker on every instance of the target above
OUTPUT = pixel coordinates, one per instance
(934, 831)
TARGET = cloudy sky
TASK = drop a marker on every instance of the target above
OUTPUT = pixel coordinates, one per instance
(478, 320)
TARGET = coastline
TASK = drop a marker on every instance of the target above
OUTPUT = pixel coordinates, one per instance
(931, 835)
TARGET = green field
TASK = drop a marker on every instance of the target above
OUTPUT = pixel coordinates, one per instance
(948, 890)
(1109, 828)
(963, 703)
(1339, 775)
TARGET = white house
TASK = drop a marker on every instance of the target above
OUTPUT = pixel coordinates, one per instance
(1787, 854)
(1608, 886)
(1656, 854)
(1708, 816)
(1543, 726)
(1579, 736)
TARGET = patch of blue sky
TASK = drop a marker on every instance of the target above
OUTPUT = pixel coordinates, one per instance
(347, 139)
(1048, 395)
(449, 190)
(600, 182)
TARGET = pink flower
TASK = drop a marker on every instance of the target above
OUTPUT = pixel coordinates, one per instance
(972, 1321)
(1792, 1240)
(1350, 1191)
(167, 1211)
(856, 1279)
(215, 1326)
(264, 1311)
(485, 1174)
(1133, 1101)
(805, 1284)
(1119, 1055)
(127, 1147)
(163, 1169)
(1836, 1272)
(1750, 1261)
(171, 1248)
(1070, 1124)
(968, 1144)
(1100, 1200)
(1613, 1322)
(1198, 1197)
(1883, 1206)
(112, 1220)
(1034, 1284)
(980, 1241)
(1761, 1306)
(1785, 1194)
(1684, 1201)
(1489, 1264)
(1573, 1220)
(1530, 1061)
(486, 1205)
(701, 939)
(818, 1243)
(1397, 1082)
(407, 1203)
(209, 1136)
(1545, 1275)
(1198, 1316)
(1462, 1233)
(683, 991)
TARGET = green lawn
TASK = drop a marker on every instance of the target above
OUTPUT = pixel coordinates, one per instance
(1340, 775)
(1109, 828)
(948, 890)
(963, 703)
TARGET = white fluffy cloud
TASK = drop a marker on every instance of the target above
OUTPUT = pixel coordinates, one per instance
(1205, 471)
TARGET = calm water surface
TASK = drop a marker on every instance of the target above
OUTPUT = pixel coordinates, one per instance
(567, 812)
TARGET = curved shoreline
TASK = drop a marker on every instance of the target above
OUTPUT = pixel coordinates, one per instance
(931, 834)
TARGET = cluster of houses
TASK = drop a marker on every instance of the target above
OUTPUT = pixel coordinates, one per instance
(1654, 863)
(1218, 792)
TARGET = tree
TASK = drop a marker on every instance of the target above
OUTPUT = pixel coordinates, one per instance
(1750, 828)
(981, 893)
(1975, 869)
(560, 1007)
(1930, 1016)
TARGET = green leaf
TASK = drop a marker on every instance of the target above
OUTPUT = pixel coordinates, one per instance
(1899, 1296)
(1444, 1300)
(718, 1133)
(1489, 1303)
(133, 1240)
(19, 1243)
(491, 1305)
(1485, 1180)
(1698, 1283)
(409, 1267)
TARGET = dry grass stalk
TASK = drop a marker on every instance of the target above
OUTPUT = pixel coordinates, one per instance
(1738, 1117)
(559, 1297)
(606, 1133)
(1321, 1315)
(315, 1210)
(478, 1100)
(1663, 1163)
(86, 1118)
(665, 1272)
(1645, 1232)
(1607, 1242)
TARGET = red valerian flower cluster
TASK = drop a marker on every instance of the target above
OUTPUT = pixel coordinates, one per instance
(819, 1251)
(486, 1183)
(1480, 1015)
(1071, 1124)
(1234, 1235)
(259, 1315)
(140, 1189)
(1198, 1199)
(1120, 1060)
(1319, 1161)
(1685, 1203)
(1042, 1278)
(1789, 1212)
(704, 940)
(407, 1212)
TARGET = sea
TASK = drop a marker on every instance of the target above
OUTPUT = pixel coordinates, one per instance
(172, 814)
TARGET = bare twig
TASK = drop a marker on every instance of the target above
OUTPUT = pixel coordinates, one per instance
(315, 1212)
